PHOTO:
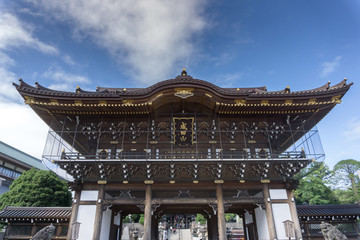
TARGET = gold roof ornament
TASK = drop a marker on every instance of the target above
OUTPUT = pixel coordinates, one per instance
(287, 89)
(183, 73)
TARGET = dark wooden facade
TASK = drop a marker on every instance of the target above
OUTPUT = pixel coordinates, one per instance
(183, 145)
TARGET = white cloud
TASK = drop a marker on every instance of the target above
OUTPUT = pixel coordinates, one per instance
(229, 79)
(329, 67)
(67, 59)
(148, 36)
(61, 80)
(14, 33)
(353, 129)
(7, 90)
(21, 128)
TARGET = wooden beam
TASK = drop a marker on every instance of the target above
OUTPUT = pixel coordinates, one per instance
(183, 201)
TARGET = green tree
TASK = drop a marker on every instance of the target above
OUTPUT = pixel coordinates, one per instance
(313, 186)
(37, 188)
(345, 196)
(200, 218)
(230, 217)
(345, 175)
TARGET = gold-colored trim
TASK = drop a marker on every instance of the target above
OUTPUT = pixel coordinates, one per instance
(159, 95)
(192, 127)
(208, 95)
(101, 182)
(195, 181)
(336, 99)
(265, 103)
(102, 103)
(29, 100)
(149, 181)
(125, 182)
(312, 101)
(218, 181)
(240, 102)
(288, 102)
(242, 181)
(77, 103)
(54, 102)
(265, 181)
(172, 182)
(184, 92)
(127, 103)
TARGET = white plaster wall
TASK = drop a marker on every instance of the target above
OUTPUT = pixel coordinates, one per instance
(281, 213)
(117, 219)
(261, 224)
(89, 195)
(248, 218)
(86, 217)
(278, 194)
(105, 225)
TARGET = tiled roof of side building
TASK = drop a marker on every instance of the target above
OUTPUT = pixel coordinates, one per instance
(20, 156)
(328, 210)
(36, 212)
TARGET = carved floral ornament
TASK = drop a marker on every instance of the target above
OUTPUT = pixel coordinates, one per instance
(184, 92)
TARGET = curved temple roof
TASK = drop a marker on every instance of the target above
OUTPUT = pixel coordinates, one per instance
(183, 88)
(178, 82)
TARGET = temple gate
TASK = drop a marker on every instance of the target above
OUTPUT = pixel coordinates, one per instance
(183, 146)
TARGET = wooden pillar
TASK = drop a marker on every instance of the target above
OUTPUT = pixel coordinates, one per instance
(154, 228)
(147, 213)
(294, 214)
(209, 231)
(242, 216)
(220, 212)
(99, 213)
(214, 227)
(254, 224)
(74, 212)
(269, 212)
(122, 217)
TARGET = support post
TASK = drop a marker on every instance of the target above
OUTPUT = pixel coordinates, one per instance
(214, 227)
(269, 212)
(220, 212)
(147, 213)
(294, 214)
(154, 227)
(74, 212)
(99, 213)
(242, 216)
(209, 227)
(254, 224)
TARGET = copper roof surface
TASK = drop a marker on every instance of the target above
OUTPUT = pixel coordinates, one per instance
(36, 212)
(328, 210)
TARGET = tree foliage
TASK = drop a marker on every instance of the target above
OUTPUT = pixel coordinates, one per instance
(200, 219)
(345, 173)
(313, 188)
(37, 188)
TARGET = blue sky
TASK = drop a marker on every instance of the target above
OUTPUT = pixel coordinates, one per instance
(245, 43)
